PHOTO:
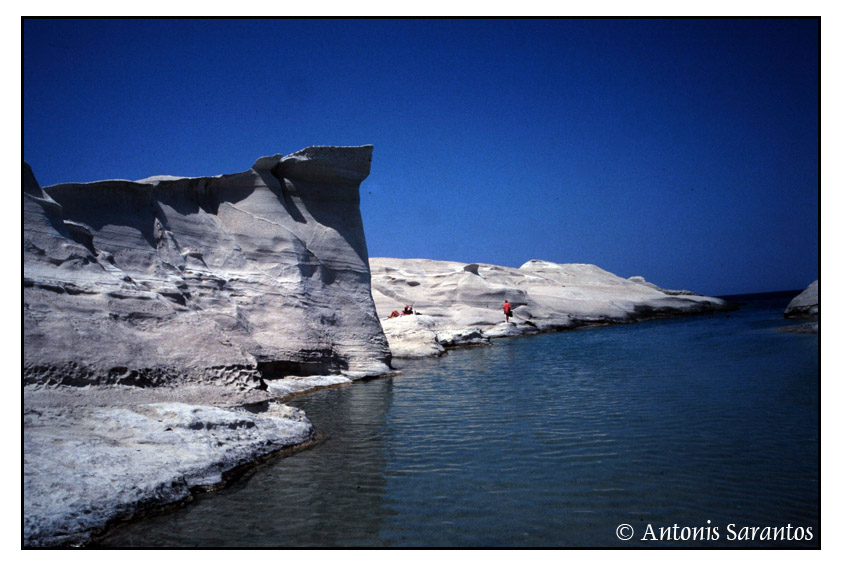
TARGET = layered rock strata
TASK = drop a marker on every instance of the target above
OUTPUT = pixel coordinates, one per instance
(184, 307)
(461, 304)
(225, 279)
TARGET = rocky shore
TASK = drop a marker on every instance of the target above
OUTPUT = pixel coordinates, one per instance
(97, 456)
(459, 304)
(804, 307)
(167, 320)
(164, 319)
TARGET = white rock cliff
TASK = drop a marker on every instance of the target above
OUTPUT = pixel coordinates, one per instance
(460, 304)
(176, 303)
(190, 305)
(231, 278)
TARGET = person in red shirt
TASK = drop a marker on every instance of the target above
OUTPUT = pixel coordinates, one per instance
(507, 310)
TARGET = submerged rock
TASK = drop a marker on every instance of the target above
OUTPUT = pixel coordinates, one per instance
(801, 329)
(463, 303)
(285, 387)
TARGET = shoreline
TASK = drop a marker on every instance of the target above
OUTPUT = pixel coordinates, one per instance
(457, 303)
(315, 443)
(167, 322)
(160, 499)
(102, 455)
(232, 476)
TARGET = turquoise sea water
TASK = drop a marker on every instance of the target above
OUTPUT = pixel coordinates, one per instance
(555, 440)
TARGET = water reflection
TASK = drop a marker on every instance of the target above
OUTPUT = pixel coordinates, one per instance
(548, 441)
(331, 495)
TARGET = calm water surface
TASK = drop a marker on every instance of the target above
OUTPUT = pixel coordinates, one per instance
(546, 441)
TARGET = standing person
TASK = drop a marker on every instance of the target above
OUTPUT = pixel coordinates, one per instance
(507, 310)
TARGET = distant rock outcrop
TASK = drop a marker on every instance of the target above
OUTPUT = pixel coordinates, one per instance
(462, 303)
(805, 305)
(226, 279)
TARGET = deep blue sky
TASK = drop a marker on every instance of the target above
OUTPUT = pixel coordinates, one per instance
(685, 151)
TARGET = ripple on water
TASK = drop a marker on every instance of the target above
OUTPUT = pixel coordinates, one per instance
(552, 440)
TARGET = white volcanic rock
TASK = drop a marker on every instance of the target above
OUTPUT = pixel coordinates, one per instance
(87, 466)
(510, 329)
(285, 387)
(545, 296)
(412, 336)
(642, 280)
(458, 337)
(805, 305)
(226, 279)
(207, 288)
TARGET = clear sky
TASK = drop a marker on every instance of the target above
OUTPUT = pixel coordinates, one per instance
(685, 151)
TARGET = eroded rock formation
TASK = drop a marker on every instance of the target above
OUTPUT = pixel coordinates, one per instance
(224, 279)
(462, 303)
(205, 288)
(805, 305)
(87, 466)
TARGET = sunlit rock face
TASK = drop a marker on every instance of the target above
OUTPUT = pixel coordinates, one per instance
(88, 466)
(225, 279)
(805, 305)
(465, 301)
